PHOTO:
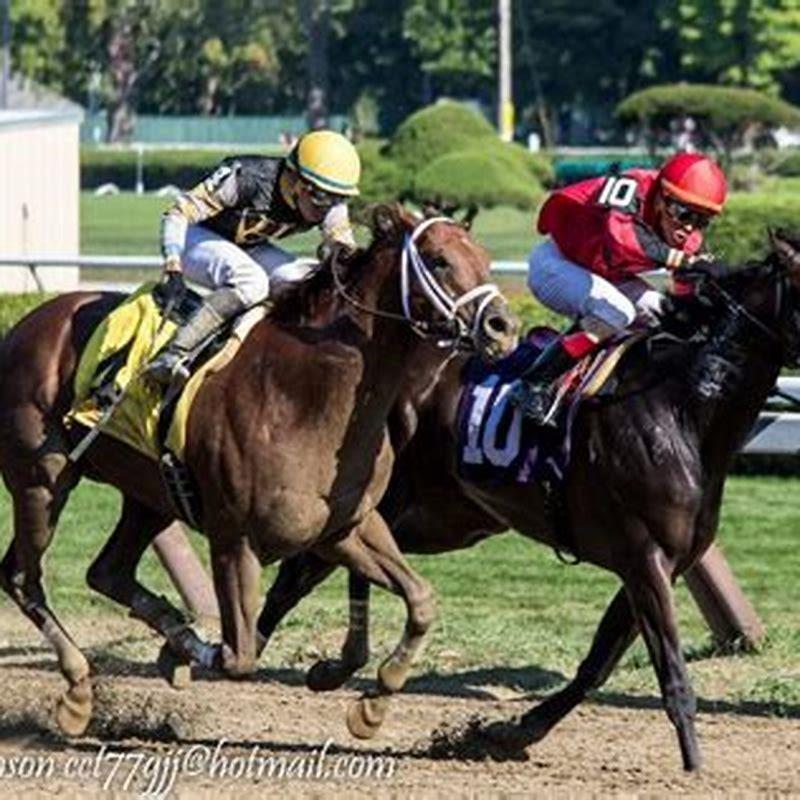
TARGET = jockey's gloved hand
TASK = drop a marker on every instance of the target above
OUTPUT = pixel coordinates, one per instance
(342, 251)
(172, 289)
(704, 265)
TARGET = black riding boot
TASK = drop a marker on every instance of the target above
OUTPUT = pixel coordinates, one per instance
(218, 307)
(533, 393)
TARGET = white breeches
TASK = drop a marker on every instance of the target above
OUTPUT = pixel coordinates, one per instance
(569, 289)
(213, 262)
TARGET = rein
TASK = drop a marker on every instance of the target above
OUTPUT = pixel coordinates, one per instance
(414, 269)
(739, 310)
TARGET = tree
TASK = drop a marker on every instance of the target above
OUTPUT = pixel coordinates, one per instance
(738, 42)
(454, 40)
(728, 116)
(585, 54)
(37, 35)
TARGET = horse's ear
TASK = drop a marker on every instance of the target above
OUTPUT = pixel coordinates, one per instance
(469, 215)
(386, 222)
(785, 247)
(431, 207)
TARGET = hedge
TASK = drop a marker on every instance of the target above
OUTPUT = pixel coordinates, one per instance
(181, 168)
(450, 151)
(572, 170)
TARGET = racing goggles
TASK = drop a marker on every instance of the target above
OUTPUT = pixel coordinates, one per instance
(687, 215)
(319, 197)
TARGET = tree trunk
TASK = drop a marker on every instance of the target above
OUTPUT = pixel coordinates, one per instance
(315, 17)
(123, 74)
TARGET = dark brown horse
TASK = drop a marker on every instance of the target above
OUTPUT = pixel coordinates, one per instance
(643, 490)
(288, 445)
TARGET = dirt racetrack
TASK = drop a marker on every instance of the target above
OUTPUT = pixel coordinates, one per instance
(622, 745)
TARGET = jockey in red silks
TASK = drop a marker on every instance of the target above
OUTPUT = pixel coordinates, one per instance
(603, 232)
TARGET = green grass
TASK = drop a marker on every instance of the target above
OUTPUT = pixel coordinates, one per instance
(508, 603)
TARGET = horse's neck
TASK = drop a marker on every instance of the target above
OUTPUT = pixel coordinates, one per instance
(723, 422)
(433, 387)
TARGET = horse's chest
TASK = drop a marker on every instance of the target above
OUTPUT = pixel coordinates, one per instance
(289, 515)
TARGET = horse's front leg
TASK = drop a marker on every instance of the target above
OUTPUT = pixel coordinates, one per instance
(649, 587)
(371, 552)
(237, 574)
(113, 574)
(614, 635)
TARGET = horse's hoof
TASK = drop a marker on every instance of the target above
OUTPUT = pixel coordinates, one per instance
(366, 715)
(175, 669)
(74, 709)
(325, 676)
(507, 741)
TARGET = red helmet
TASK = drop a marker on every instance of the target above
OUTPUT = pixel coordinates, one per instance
(696, 180)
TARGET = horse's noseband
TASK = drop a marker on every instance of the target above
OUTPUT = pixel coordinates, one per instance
(414, 269)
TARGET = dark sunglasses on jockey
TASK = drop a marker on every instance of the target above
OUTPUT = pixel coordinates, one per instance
(686, 215)
(319, 197)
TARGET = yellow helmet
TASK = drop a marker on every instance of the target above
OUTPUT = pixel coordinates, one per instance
(328, 160)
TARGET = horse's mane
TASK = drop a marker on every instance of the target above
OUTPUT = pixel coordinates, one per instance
(302, 300)
(691, 330)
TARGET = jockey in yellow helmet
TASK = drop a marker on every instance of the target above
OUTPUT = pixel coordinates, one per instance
(220, 233)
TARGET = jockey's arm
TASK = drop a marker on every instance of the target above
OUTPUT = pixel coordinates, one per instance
(631, 246)
(222, 189)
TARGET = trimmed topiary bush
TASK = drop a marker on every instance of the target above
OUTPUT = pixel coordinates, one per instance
(451, 152)
(478, 175)
(382, 179)
(435, 130)
(537, 165)
(726, 115)
(740, 233)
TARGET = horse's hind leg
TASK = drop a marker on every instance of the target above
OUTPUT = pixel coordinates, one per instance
(614, 635)
(113, 574)
(330, 674)
(650, 591)
(296, 577)
(36, 510)
(371, 552)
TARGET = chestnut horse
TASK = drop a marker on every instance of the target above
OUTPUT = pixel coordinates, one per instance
(643, 490)
(288, 445)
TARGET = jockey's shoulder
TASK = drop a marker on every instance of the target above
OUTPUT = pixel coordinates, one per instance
(250, 162)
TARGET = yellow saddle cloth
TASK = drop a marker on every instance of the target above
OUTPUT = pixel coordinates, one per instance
(123, 344)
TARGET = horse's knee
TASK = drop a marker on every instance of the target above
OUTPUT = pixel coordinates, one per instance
(8, 570)
(421, 606)
(105, 580)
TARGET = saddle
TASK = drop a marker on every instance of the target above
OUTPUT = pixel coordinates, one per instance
(112, 396)
(497, 443)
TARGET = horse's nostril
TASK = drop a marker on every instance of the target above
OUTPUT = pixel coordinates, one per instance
(496, 325)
